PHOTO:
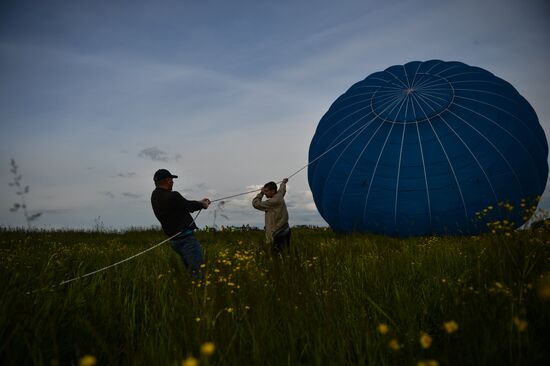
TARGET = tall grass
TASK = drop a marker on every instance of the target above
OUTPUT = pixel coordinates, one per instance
(323, 304)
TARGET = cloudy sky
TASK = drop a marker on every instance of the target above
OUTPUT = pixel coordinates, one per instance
(97, 95)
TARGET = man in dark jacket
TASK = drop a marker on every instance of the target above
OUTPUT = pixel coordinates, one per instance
(173, 212)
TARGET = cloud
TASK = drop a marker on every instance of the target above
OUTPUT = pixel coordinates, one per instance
(56, 211)
(108, 194)
(112, 196)
(198, 188)
(269, 87)
(125, 175)
(156, 154)
(131, 195)
(302, 201)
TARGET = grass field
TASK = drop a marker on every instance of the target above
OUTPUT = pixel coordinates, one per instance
(335, 300)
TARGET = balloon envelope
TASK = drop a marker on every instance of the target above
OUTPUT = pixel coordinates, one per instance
(423, 148)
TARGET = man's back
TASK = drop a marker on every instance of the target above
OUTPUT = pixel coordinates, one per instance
(173, 211)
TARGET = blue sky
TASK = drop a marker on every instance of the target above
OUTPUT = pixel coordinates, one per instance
(97, 95)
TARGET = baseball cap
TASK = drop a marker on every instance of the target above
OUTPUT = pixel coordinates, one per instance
(163, 174)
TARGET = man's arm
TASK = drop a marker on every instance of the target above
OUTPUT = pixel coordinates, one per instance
(266, 205)
(258, 204)
(278, 197)
(185, 205)
(282, 188)
(274, 201)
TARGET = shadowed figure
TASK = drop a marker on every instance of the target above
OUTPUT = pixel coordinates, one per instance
(173, 212)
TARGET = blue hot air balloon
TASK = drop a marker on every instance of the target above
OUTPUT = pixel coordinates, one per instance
(420, 148)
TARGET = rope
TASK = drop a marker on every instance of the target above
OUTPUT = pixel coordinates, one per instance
(259, 189)
(112, 265)
(296, 172)
(164, 241)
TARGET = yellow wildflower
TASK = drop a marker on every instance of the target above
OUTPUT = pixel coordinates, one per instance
(197, 319)
(427, 363)
(425, 340)
(229, 310)
(544, 291)
(543, 285)
(207, 348)
(450, 326)
(394, 344)
(87, 360)
(383, 328)
(190, 361)
(521, 324)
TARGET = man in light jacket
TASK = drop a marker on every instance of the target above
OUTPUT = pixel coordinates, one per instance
(277, 230)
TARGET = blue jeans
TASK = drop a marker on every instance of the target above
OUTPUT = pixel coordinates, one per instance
(190, 251)
(281, 241)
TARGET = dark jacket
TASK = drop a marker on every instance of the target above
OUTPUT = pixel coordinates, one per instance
(173, 211)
